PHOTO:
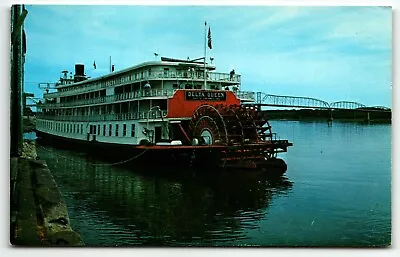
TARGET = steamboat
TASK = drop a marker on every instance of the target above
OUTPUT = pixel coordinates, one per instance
(168, 111)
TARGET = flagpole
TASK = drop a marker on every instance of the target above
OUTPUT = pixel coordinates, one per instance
(205, 53)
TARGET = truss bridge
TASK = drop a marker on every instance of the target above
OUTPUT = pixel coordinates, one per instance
(263, 99)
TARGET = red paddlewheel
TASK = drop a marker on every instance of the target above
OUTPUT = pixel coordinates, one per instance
(232, 125)
(208, 126)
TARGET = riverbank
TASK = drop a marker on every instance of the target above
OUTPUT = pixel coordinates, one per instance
(38, 213)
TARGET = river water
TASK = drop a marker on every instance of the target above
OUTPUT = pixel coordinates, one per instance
(336, 192)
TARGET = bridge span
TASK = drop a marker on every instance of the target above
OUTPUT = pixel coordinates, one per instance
(263, 99)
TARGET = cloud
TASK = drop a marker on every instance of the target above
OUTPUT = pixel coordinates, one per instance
(371, 27)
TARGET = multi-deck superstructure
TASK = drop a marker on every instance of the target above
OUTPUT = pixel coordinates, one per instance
(177, 108)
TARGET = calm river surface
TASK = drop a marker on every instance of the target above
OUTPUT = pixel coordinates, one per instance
(336, 192)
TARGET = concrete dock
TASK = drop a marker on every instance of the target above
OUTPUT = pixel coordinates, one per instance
(38, 214)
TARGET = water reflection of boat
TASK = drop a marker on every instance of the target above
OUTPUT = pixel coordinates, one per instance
(164, 208)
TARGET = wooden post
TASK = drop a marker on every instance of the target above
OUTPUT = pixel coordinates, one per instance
(16, 86)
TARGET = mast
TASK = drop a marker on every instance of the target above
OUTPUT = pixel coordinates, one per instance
(205, 53)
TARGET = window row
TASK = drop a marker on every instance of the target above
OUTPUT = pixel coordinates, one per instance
(111, 130)
(104, 129)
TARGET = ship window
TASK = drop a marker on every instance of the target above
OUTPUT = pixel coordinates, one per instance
(188, 86)
(104, 130)
(82, 128)
(110, 130)
(94, 129)
(74, 129)
(149, 72)
(133, 130)
(116, 130)
(124, 130)
(98, 129)
(175, 86)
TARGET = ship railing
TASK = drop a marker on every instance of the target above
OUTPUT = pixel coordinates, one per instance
(154, 114)
(113, 98)
(211, 76)
(144, 93)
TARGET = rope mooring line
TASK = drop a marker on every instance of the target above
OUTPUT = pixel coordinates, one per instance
(95, 164)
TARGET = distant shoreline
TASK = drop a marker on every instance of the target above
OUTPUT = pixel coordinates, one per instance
(325, 115)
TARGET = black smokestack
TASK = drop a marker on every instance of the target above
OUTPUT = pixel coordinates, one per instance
(79, 72)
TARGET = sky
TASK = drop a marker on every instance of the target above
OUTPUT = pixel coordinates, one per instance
(331, 53)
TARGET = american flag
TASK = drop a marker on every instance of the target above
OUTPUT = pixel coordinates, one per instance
(209, 38)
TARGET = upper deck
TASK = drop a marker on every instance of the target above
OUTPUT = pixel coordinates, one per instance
(149, 71)
(245, 96)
